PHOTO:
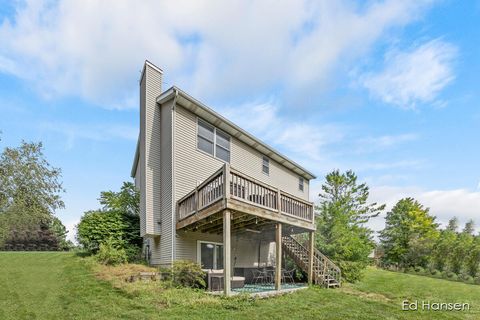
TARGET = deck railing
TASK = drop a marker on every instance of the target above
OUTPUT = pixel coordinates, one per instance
(242, 188)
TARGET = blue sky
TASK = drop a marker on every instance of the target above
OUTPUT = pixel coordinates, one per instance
(389, 89)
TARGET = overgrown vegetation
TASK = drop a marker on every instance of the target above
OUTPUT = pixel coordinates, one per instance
(341, 231)
(30, 190)
(110, 254)
(114, 230)
(185, 273)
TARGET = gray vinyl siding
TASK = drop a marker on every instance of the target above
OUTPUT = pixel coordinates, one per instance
(249, 161)
(144, 220)
(187, 244)
(138, 186)
(167, 226)
(193, 166)
(148, 167)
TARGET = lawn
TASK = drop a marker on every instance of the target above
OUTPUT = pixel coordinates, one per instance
(43, 285)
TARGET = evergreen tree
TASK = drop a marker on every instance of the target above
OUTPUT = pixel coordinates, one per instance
(341, 231)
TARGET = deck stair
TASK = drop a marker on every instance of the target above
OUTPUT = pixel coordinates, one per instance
(325, 272)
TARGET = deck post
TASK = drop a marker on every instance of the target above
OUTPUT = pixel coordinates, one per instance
(278, 257)
(311, 249)
(226, 251)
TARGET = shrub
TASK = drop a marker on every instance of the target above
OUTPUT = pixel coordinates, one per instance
(465, 277)
(185, 273)
(419, 270)
(96, 227)
(476, 280)
(410, 270)
(435, 272)
(134, 254)
(109, 254)
(352, 271)
(450, 275)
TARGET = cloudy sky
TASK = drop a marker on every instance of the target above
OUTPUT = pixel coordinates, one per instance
(390, 89)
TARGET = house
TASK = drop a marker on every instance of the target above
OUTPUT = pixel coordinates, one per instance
(213, 193)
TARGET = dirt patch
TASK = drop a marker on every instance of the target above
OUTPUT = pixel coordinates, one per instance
(365, 295)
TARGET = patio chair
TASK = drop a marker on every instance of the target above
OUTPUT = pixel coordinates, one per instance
(288, 275)
(259, 276)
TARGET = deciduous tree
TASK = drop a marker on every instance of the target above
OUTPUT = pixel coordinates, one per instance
(409, 235)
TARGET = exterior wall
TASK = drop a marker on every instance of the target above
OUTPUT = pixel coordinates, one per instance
(165, 197)
(249, 161)
(150, 162)
(246, 253)
(193, 166)
(153, 242)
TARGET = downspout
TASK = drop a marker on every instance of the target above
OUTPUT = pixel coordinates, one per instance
(174, 207)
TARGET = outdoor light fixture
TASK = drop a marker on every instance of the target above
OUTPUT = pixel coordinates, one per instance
(252, 230)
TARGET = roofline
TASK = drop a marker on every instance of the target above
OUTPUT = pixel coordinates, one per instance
(170, 93)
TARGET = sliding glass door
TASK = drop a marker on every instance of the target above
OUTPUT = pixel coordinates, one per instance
(210, 255)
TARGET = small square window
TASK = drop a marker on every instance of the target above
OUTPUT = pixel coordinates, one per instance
(266, 165)
(300, 183)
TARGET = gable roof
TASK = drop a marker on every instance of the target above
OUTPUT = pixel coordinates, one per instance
(206, 113)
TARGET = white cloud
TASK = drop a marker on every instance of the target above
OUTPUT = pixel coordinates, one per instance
(94, 49)
(381, 143)
(415, 76)
(390, 165)
(389, 140)
(444, 204)
(265, 120)
(95, 132)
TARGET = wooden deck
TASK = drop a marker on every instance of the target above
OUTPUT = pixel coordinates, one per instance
(253, 204)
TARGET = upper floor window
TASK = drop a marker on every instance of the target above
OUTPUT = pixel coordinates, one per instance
(300, 183)
(222, 149)
(213, 141)
(266, 165)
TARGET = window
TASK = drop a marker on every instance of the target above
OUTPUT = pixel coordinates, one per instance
(206, 136)
(266, 165)
(222, 149)
(300, 183)
(213, 141)
(210, 255)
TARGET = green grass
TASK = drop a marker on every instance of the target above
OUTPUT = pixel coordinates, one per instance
(41, 285)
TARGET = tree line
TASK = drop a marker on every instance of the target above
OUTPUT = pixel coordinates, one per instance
(412, 239)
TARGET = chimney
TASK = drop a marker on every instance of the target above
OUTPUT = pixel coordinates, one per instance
(149, 161)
